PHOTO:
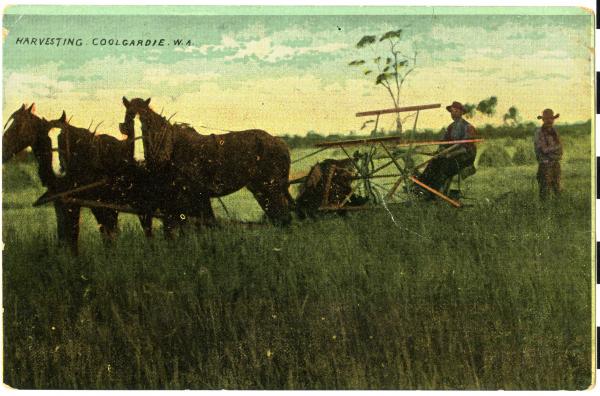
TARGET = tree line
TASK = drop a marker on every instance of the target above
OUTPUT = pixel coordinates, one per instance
(521, 130)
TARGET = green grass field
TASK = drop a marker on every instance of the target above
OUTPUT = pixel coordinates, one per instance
(493, 296)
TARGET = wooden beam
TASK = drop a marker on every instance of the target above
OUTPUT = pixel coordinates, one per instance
(297, 180)
(106, 205)
(447, 150)
(88, 203)
(398, 110)
(336, 208)
(397, 140)
(452, 202)
(44, 200)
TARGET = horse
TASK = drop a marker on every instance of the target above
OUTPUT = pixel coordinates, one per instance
(29, 130)
(87, 158)
(201, 167)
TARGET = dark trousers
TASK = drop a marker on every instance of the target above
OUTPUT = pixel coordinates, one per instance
(440, 170)
(548, 177)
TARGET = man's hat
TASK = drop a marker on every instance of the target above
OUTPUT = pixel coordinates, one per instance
(548, 113)
(456, 105)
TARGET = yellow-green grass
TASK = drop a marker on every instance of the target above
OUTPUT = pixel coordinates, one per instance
(493, 296)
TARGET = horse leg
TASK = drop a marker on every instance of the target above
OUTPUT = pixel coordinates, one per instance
(146, 222)
(108, 220)
(61, 221)
(273, 199)
(67, 224)
(204, 212)
(170, 221)
(70, 222)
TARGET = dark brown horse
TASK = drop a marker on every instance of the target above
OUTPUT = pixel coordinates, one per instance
(87, 158)
(28, 130)
(215, 165)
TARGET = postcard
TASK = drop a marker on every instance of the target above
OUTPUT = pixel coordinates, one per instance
(298, 198)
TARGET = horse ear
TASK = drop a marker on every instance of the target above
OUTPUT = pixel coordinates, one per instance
(126, 102)
(31, 108)
(63, 117)
(22, 107)
(147, 101)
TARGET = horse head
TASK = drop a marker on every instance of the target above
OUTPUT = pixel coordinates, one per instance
(135, 106)
(23, 129)
(157, 132)
(28, 130)
(76, 146)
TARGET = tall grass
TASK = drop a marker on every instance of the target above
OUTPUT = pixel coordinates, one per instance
(494, 296)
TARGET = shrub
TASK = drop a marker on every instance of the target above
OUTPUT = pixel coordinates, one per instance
(524, 155)
(19, 176)
(495, 156)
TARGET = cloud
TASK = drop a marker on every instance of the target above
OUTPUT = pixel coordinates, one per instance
(174, 76)
(253, 42)
(37, 85)
(530, 35)
(227, 42)
(264, 49)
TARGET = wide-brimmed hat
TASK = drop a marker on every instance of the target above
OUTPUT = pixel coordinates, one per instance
(456, 105)
(548, 113)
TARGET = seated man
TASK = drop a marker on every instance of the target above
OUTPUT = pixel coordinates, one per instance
(448, 164)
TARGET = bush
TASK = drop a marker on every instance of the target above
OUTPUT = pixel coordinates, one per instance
(524, 155)
(495, 156)
(19, 176)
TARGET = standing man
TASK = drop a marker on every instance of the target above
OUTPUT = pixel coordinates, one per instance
(442, 168)
(548, 151)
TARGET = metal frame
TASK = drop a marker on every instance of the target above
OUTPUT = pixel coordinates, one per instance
(387, 148)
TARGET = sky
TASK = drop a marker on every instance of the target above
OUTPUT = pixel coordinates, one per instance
(289, 74)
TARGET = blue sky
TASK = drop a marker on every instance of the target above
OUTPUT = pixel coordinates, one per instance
(290, 73)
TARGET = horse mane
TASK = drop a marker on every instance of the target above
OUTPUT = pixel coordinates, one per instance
(79, 132)
(162, 121)
(163, 135)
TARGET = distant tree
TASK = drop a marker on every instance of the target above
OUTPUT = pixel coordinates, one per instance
(469, 110)
(511, 117)
(391, 66)
(487, 107)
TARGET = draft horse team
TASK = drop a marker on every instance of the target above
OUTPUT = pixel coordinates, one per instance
(182, 170)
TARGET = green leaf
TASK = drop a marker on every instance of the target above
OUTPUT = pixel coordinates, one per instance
(388, 61)
(366, 40)
(386, 69)
(400, 65)
(382, 77)
(366, 123)
(391, 34)
(356, 62)
(377, 60)
(367, 71)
